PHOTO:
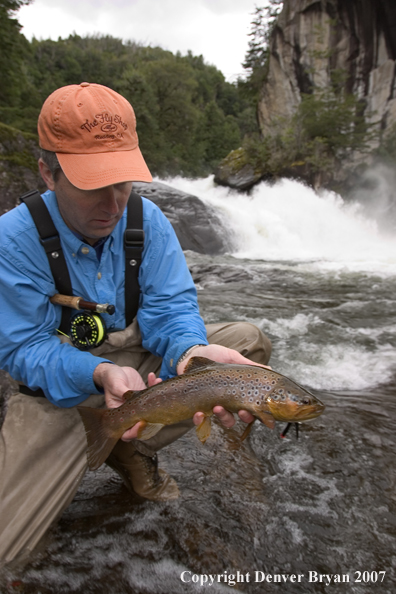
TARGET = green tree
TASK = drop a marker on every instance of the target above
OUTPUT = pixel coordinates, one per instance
(188, 115)
(256, 57)
(219, 134)
(13, 48)
(135, 87)
(337, 119)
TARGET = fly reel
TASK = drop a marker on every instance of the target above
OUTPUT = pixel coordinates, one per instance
(87, 330)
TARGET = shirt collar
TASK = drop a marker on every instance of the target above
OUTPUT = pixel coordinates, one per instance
(98, 245)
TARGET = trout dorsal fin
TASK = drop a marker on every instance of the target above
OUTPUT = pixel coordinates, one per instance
(196, 363)
(132, 394)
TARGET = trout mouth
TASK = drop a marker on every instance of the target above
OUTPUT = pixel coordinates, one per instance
(305, 413)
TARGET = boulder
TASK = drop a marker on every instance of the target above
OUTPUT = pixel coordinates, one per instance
(236, 172)
(197, 225)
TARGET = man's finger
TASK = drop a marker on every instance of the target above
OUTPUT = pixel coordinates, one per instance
(153, 380)
(132, 433)
(245, 416)
(198, 418)
(225, 417)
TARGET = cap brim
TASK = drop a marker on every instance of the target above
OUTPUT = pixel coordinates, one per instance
(93, 171)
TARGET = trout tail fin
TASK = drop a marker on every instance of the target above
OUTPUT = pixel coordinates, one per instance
(101, 440)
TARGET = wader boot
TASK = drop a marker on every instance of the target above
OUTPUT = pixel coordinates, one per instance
(140, 473)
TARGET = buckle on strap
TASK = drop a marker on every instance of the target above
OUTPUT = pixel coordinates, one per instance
(51, 244)
(134, 238)
(133, 245)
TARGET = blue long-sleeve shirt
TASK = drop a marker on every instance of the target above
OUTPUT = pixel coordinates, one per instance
(30, 350)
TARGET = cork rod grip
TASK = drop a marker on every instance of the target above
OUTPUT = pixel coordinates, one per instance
(66, 300)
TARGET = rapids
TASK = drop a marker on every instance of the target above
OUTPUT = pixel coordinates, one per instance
(318, 275)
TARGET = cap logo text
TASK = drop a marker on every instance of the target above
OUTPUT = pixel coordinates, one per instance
(107, 123)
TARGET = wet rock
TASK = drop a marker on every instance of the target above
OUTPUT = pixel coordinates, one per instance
(197, 226)
(236, 172)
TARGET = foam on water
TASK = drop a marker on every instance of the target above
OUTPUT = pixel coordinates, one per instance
(290, 221)
(297, 467)
(318, 254)
(342, 365)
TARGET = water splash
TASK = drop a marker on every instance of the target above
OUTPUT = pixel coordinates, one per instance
(290, 221)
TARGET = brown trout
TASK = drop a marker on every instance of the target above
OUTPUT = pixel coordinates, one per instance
(268, 395)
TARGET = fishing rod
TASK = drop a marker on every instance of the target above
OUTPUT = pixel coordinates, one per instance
(87, 327)
(80, 303)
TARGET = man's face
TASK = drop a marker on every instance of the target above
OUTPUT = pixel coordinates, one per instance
(92, 213)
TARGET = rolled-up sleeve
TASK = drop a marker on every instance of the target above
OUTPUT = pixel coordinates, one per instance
(168, 315)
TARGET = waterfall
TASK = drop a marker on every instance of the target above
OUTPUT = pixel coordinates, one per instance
(289, 221)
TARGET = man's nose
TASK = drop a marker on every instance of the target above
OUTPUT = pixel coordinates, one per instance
(108, 201)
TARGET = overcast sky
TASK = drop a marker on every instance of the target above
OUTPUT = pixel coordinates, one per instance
(217, 29)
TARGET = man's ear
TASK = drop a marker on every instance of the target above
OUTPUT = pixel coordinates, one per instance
(46, 174)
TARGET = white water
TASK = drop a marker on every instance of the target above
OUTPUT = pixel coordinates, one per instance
(322, 248)
(341, 364)
(289, 221)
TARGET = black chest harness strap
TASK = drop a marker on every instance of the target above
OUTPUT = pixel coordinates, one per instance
(133, 247)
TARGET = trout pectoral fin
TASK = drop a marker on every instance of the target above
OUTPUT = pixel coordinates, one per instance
(203, 429)
(267, 419)
(149, 430)
(247, 430)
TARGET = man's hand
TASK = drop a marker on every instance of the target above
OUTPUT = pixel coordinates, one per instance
(115, 381)
(221, 354)
(218, 353)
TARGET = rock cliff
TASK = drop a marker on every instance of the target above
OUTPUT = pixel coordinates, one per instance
(312, 38)
(312, 44)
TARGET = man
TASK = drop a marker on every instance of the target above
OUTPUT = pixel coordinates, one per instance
(90, 158)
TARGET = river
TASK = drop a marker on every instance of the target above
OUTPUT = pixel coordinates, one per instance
(319, 277)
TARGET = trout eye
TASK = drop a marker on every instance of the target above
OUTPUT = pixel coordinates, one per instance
(306, 400)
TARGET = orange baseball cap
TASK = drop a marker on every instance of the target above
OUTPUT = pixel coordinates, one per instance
(92, 130)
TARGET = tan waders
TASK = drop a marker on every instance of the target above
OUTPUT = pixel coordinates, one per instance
(43, 447)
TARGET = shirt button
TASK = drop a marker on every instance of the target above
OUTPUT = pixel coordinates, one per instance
(99, 275)
(85, 250)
